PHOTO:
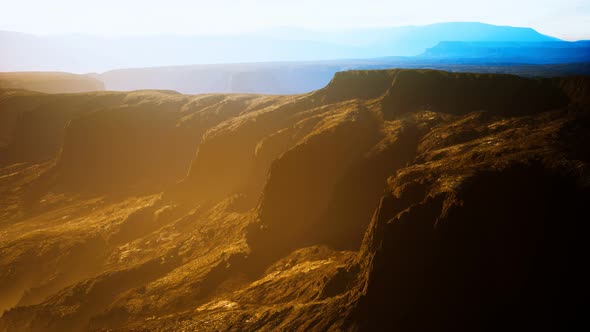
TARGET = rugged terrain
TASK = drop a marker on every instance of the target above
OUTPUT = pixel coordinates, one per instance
(399, 199)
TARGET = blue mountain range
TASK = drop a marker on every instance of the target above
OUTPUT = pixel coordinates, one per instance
(87, 53)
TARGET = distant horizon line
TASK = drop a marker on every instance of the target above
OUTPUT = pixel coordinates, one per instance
(278, 27)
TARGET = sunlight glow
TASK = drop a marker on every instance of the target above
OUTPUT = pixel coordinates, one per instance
(568, 19)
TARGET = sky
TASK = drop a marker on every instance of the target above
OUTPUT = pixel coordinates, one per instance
(566, 19)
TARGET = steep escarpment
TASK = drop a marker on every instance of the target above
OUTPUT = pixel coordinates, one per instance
(134, 149)
(298, 185)
(112, 140)
(357, 84)
(33, 123)
(389, 144)
(460, 93)
(410, 200)
(474, 228)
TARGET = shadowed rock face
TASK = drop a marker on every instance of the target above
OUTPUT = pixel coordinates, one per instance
(459, 94)
(408, 200)
(467, 266)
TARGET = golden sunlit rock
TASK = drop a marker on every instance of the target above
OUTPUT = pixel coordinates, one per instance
(396, 199)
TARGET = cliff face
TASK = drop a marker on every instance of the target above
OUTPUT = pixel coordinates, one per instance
(481, 229)
(412, 200)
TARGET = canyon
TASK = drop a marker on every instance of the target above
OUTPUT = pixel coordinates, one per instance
(400, 199)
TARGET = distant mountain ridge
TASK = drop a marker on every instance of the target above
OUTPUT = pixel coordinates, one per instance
(301, 77)
(50, 82)
(414, 38)
(513, 52)
(80, 53)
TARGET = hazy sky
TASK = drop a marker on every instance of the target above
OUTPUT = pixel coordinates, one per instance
(568, 19)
